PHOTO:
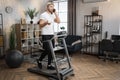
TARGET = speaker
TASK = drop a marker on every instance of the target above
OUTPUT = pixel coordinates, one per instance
(106, 34)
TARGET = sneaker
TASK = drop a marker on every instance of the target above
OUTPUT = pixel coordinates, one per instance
(50, 67)
(39, 64)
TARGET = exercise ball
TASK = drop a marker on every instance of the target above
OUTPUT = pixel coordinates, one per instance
(14, 58)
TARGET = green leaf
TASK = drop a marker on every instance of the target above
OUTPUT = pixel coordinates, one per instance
(12, 38)
(32, 12)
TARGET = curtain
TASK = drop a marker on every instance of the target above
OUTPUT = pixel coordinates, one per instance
(72, 17)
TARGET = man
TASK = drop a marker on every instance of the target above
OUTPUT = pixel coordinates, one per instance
(46, 23)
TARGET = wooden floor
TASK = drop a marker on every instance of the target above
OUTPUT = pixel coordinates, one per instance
(86, 67)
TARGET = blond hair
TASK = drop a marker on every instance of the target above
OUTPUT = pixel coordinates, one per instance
(50, 3)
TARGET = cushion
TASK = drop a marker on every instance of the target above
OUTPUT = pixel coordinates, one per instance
(76, 42)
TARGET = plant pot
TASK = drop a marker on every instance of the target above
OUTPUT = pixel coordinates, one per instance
(31, 22)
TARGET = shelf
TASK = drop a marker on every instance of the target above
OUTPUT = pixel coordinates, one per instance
(96, 32)
(30, 31)
(94, 43)
(87, 35)
(88, 25)
(26, 35)
(90, 44)
(36, 44)
(26, 38)
(95, 21)
(38, 30)
(24, 31)
(37, 37)
(25, 46)
(93, 15)
(30, 38)
(1, 36)
(92, 32)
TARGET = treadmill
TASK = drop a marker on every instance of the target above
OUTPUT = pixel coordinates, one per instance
(60, 73)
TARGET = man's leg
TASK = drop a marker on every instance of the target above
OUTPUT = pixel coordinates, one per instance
(50, 58)
(45, 52)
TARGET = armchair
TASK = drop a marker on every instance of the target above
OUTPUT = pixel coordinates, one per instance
(74, 43)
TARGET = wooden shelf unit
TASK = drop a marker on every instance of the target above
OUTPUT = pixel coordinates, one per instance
(1, 36)
(27, 36)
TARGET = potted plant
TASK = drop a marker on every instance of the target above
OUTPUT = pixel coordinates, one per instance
(32, 13)
(62, 28)
(12, 38)
(13, 57)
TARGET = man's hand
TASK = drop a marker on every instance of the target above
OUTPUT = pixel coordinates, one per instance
(43, 23)
(48, 22)
(57, 19)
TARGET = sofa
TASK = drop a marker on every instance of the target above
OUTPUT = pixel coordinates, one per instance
(109, 49)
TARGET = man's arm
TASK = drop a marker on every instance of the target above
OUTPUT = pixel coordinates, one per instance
(57, 19)
(43, 23)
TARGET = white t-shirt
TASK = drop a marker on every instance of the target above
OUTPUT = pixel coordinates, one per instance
(48, 29)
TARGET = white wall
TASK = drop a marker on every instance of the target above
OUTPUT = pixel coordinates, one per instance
(19, 6)
(110, 11)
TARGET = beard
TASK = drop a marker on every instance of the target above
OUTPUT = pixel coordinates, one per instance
(51, 11)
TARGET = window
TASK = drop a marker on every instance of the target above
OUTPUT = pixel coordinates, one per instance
(61, 7)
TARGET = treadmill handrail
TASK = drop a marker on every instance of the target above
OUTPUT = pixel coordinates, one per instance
(56, 36)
